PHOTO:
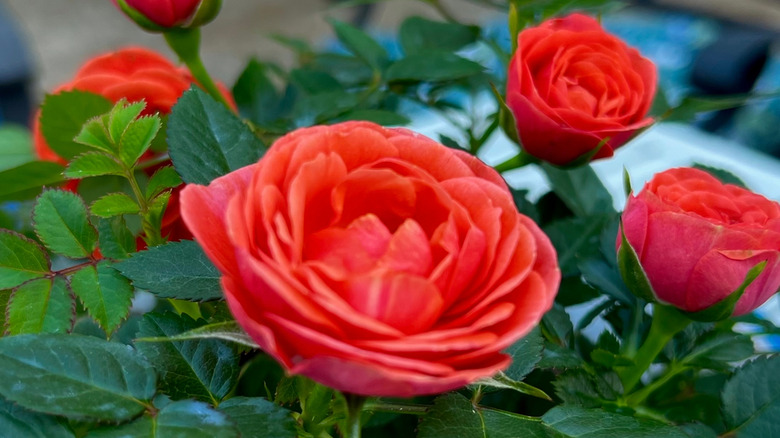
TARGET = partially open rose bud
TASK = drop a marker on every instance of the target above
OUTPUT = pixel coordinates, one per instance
(698, 241)
(160, 15)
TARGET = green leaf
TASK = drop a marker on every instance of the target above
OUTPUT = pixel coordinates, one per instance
(227, 331)
(507, 121)
(432, 66)
(502, 381)
(605, 278)
(724, 176)
(115, 240)
(93, 164)
(421, 35)
(21, 259)
(25, 182)
(716, 349)
(583, 388)
(60, 220)
(572, 421)
(525, 353)
(575, 239)
(41, 306)
(121, 117)
(692, 105)
(114, 204)
(15, 146)
(361, 44)
(181, 419)
(137, 138)
(205, 369)
(105, 293)
(751, 399)
(176, 270)
(256, 96)
(314, 81)
(18, 422)
(323, 107)
(258, 418)
(62, 117)
(453, 415)
(631, 270)
(206, 140)
(56, 374)
(95, 134)
(380, 117)
(580, 189)
(163, 179)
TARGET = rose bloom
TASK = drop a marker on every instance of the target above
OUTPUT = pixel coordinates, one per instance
(133, 73)
(571, 85)
(164, 14)
(375, 261)
(697, 238)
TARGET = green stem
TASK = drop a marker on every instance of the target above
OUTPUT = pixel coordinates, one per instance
(521, 159)
(639, 396)
(186, 44)
(354, 410)
(667, 322)
(378, 405)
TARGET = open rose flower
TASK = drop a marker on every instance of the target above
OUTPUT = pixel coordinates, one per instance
(159, 15)
(375, 261)
(133, 73)
(573, 87)
(697, 238)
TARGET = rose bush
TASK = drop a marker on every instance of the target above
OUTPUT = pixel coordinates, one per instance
(164, 14)
(132, 73)
(375, 261)
(697, 238)
(572, 86)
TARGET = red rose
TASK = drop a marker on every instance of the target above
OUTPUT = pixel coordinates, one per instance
(133, 73)
(697, 238)
(159, 15)
(375, 261)
(572, 85)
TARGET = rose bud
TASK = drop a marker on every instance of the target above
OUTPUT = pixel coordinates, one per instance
(576, 91)
(699, 241)
(161, 15)
(132, 73)
(375, 261)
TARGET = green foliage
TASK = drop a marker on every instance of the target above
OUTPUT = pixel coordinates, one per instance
(105, 294)
(115, 240)
(185, 418)
(204, 369)
(60, 221)
(19, 422)
(177, 270)
(435, 66)
(164, 178)
(421, 35)
(55, 374)
(571, 421)
(258, 418)
(750, 403)
(206, 140)
(93, 164)
(24, 182)
(227, 331)
(62, 116)
(361, 44)
(21, 259)
(114, 204)
(41, 306)
(15, 146)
